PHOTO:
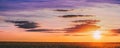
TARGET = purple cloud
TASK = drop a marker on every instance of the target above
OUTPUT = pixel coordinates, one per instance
(6, 5)
(64, 10)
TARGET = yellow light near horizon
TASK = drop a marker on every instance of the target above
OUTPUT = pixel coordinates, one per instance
(97, 34)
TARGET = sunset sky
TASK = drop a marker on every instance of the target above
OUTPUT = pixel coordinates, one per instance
(60, 20)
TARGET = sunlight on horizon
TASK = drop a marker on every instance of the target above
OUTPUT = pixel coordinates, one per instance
(97, 35)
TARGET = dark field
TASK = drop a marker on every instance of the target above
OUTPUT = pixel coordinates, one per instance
(59, 45)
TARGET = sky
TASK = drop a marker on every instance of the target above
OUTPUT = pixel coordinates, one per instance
(60, 20)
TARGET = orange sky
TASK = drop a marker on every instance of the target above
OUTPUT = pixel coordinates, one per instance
(96, 23)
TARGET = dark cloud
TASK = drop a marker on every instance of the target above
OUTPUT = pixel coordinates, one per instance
(75, 29)
(24, 24)
(71, 16)
(39, 30)
(82, 28)
(115, 31)
(86, 21)
(44, 30)
(63, 10)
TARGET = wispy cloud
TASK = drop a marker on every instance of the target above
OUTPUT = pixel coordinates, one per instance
(24, 24)
(87, 21)
(64, 10)
(46, 30)
(82, 28)
(71, 16)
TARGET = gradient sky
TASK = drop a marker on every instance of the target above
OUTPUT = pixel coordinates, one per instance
(59, 20)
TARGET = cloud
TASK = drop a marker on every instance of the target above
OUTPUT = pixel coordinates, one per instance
(75, 29)
(82, 28)
(115, 31)
(86, 21)
(71, 16)
(38, 30)
(48, 17)
(63, 10)
(46, 30)
(24, 24)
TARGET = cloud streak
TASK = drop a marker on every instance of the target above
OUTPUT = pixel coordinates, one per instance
(82, 28)
(64, 10)
(71, 16)
(45, 30)
(24, 24)
(86, 21)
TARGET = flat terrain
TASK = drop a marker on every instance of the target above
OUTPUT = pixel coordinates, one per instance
(59, 45)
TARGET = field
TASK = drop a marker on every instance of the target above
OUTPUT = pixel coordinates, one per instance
(59, 45)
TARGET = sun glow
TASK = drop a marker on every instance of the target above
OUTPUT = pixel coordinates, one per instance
(97, 34)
